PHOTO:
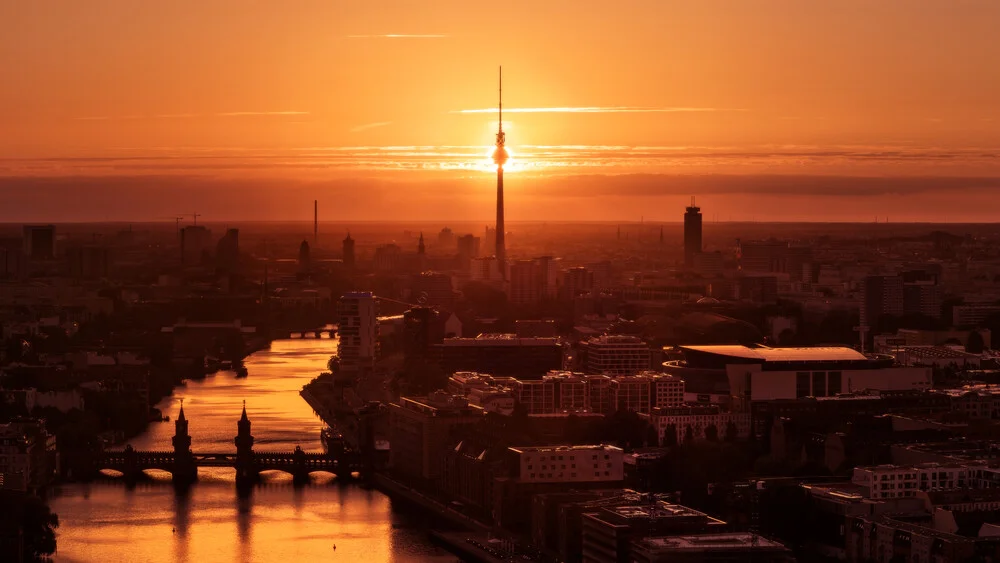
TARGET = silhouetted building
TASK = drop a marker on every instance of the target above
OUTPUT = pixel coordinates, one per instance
(195, 244)
(422, 328)
(388, 257)
(305, 263)
(348, 252)
(89, 262)
(501, 355)
(468, 247)
(525, 282)
(421, 249)
(227, 252)
(40, 242)
(432, 289)
(921, 294)
(421, 430)
(577, 281)
(883, 295)
(692, 233)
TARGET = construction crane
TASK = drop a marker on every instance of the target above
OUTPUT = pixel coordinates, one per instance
(196, 215)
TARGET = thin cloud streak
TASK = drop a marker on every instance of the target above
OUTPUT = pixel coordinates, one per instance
(599, 109)
(368, 126)
(188, 115)
(400, 36)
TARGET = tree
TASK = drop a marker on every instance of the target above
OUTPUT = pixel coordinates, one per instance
(975, 344)
(652, 436)
(731, 432)
(670, 436)
(712, 433)
(30, 518)
(689, 436)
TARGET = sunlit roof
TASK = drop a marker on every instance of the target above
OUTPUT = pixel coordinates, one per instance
(812, 354)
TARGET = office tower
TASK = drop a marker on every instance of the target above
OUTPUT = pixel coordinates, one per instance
(548, 272)
(692, 233)
(348, 251)
(921, 294)
(358, 332)
(883, 295)
(305, 262)
(432, 289)
(227, 251)
(500, 158)
(195, 241)
(468, 247)
(387, 257)
(525, 282)
(577, 281)
(89, 261)
(40, 242)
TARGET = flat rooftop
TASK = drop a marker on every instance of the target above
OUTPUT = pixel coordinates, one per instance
(764, 354)
(702, 542)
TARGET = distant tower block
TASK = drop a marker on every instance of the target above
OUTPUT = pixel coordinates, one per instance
(315, 222)
(348, 251)
(692, 233)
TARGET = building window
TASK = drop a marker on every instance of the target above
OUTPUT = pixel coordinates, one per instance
(801, 384)
(834, 383)
(819, 384)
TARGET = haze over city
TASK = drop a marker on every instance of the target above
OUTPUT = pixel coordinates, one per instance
(251, 111)
(649, 281)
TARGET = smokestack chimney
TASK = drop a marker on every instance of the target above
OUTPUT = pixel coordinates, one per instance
(315, 222)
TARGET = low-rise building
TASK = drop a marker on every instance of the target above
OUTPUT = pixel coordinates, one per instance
(699, 418)
(566, 464)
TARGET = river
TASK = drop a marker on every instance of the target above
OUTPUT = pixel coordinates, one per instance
(107, 522)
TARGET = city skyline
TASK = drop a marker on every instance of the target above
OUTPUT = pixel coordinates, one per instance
(628, 110)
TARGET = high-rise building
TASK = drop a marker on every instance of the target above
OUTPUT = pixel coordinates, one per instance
(387, 257)
(468, 247)
(227, 251)
(486, 270)
(432, 289)
(40, 242)
(500, 158)
(692, 233)
(577, 281)
(304, 259)
(196, 241)
(883, 295)
(421, 249)
(348, 251)
(525, 282)
(921, 294)
(358, 332)
(89, 261)
(548, 271)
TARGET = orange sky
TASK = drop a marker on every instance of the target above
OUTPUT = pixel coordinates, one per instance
(320, 92)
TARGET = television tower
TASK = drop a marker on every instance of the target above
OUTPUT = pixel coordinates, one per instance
(500, 158)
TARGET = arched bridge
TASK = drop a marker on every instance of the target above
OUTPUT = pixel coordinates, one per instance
(183, 464)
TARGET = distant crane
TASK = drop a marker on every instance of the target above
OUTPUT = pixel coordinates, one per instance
(196, 215)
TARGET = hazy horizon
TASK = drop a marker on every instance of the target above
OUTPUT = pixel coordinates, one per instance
(136, 111)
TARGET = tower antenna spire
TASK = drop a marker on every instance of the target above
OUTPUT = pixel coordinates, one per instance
(500, 103)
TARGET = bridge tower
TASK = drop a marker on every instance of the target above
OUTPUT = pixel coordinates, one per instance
(185, 471)
(246, 464)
